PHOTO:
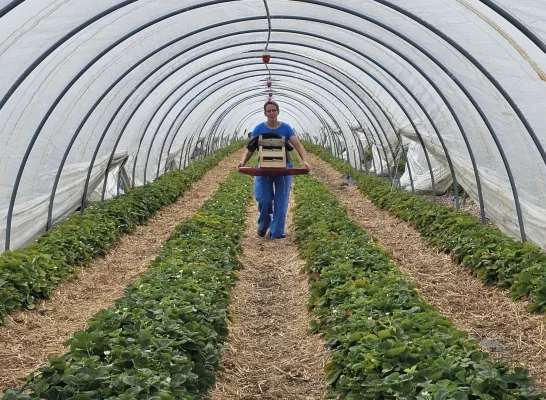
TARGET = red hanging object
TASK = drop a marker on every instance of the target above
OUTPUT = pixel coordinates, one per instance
(266, 57)
(268, 83)
(270, 94)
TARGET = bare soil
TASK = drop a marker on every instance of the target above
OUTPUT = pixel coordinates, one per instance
(272, 354)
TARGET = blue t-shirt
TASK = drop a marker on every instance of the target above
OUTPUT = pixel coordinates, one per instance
(284, 130)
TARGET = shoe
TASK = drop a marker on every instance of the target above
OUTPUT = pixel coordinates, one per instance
(278, 237)
(261, 233)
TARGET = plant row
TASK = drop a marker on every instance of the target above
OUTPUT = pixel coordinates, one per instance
(30, 274)
(386, 341)
(494, 257)
(161, 340)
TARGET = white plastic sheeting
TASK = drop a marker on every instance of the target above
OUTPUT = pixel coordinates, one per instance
(421, 181)
(117, 181)
(153, 79)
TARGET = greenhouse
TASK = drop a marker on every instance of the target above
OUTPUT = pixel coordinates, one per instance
(272, 199)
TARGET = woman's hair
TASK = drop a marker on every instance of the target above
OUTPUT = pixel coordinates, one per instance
(271, 102)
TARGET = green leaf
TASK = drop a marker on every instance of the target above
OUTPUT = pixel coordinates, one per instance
(387, 367)
(461, 375)
(441, 394)
(384, 334)
(15, 394)
(41, 386)
(131, 381)
(145, 338)
(459, 396)
(332, 377)
(178, 379)
(391, 353)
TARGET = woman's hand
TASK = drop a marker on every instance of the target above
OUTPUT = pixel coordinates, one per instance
(301, 151)
(245, 158)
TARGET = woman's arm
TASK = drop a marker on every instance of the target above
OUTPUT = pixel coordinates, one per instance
(245, 158)
(301, 151)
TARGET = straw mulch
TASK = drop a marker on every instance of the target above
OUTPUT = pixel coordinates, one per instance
(504, 327)
(272, 354)
(35, 336)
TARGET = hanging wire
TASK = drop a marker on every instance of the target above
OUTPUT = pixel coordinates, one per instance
(268, 39)
(268, 23)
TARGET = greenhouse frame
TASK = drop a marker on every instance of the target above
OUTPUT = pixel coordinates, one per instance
(86, 88)
(443, 99)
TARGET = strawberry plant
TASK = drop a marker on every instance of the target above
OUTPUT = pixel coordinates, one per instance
(30, 274)
(386, 341)
(492, 256)
(161, 340)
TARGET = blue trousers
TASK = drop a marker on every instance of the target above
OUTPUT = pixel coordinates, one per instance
(272, 195)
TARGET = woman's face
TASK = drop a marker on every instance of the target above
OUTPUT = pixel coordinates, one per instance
(271, 113)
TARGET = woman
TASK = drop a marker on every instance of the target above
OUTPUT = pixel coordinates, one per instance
(273, 193)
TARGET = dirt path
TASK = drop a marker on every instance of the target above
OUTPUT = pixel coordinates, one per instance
(35, 336)
(271, 355)
(504, 327)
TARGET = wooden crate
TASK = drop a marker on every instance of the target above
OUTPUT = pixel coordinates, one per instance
(271, 153)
